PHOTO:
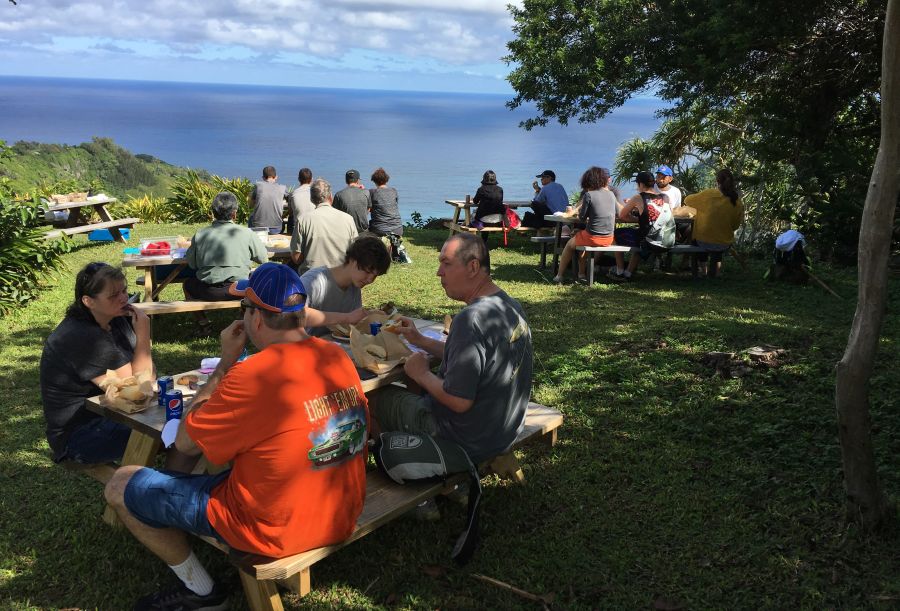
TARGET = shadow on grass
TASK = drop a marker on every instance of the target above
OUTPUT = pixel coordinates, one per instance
(668, 482)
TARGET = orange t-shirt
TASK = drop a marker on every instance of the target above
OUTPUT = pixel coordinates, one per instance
(292, 420)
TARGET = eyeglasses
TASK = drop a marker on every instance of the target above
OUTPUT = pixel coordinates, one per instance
(246, 305)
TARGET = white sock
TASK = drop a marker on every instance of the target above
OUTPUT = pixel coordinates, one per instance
(194, 576)
(620, 270)
(626, 273)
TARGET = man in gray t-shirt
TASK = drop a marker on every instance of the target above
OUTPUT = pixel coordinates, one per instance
(479, 395)
(267, 202)
(354, 199)
(335, 290)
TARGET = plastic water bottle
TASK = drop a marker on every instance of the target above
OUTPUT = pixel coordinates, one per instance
(243, 356)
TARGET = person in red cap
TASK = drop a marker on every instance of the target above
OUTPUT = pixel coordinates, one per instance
(292, 421)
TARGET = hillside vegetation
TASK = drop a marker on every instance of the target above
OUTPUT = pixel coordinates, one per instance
(32, 167)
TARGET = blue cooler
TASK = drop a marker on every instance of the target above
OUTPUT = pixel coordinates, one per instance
(103, 235)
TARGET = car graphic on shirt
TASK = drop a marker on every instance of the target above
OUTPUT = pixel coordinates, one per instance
(345, 440)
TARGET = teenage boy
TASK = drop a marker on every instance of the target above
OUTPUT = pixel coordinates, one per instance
(335, 290)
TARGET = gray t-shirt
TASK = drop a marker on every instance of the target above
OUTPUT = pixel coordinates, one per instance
(488, 359)
(385, 211)
(599, 209)
(300, 201)
(269, 207)
(75, 353)
(323, 236)
(323, 293)
(355, 202)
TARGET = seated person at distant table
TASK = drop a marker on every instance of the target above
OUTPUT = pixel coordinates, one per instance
(267, 202)
(270, 416)
(221, 254)
(336, 290)
(322, 236)
(550, 197)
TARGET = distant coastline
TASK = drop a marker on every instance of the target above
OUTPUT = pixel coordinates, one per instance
(435, 146)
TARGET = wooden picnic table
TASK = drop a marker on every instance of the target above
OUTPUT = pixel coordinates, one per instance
(79, 212)
(147, 265)
(146, 426)
(571, 218)
(460, 205)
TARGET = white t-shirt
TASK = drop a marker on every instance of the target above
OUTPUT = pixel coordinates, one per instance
(672, 195)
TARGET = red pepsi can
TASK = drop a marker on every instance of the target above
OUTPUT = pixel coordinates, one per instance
(174, 405)
(164, 383)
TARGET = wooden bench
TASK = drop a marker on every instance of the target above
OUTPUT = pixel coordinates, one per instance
(678, 249)
(113, 224)
(155, 308)
(385, 501)
(456, 226)
(545, 241)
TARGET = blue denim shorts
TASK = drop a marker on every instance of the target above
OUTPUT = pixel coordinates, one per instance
(164, 499)
(97, 441)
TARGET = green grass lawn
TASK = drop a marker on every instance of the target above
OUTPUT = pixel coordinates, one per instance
(670, 486)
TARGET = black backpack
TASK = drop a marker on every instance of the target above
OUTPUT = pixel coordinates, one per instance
(789, 265)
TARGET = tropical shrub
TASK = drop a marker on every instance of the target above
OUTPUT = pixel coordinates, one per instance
(147, 208)
(25, 255)
(192, 196)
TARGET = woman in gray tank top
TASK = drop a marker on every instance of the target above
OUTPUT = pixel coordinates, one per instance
(598, 209)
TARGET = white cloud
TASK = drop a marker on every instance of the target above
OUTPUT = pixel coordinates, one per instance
(454, 32)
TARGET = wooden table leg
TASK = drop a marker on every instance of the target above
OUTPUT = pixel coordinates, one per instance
(74, 219)
(106, 216)
(167, 280)
(141, 450)
(556, 244)
(455, 222)
(148, 283)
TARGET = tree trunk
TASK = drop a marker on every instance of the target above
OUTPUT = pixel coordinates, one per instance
(866, 502)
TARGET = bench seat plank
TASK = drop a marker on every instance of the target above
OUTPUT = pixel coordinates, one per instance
(126, 222)
(152, 308)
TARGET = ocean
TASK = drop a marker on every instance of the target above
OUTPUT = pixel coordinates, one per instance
(435, 146)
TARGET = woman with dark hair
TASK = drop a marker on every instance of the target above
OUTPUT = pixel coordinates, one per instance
(655, 230)
(385, 206)
(100, 332)
(720, 212)
(489, 201)
(597, 208)
(386, 214)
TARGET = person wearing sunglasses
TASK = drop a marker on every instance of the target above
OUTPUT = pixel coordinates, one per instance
(292, 421)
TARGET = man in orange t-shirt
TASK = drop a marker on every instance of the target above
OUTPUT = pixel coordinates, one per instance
(292, 422)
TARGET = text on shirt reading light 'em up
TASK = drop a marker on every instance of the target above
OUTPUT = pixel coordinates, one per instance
(327, 406)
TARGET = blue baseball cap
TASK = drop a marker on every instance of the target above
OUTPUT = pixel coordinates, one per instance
(269, 287)
(664, 170)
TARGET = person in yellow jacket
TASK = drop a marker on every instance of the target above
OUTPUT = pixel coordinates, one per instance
(719, 214)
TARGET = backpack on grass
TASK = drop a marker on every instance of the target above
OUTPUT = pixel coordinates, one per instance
(789, 261)
(407, 457)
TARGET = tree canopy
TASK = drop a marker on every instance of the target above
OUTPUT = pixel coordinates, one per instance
(786, 93)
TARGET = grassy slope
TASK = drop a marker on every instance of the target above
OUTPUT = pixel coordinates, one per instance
(121, 173)
(668, 483)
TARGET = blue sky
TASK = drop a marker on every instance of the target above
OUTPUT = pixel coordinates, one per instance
(427, 45)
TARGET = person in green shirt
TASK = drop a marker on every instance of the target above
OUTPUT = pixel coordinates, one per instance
(220, 254)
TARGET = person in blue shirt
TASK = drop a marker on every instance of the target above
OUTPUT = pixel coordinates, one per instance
(549, 197)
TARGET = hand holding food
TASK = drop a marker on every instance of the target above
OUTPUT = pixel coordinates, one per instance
(394, 325)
